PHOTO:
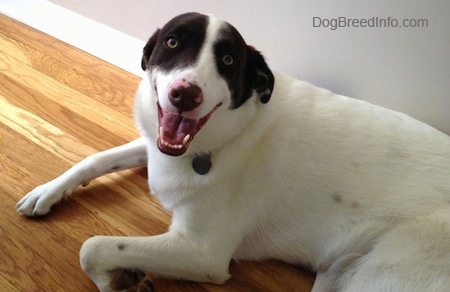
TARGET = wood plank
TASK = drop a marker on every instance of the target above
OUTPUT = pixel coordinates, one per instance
(99, 74)
(58, 105)
(67, 97)
(68, 121)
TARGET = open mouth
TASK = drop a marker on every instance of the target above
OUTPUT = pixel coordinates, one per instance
(176, 132)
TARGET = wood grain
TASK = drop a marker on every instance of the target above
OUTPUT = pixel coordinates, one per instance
(58, 105)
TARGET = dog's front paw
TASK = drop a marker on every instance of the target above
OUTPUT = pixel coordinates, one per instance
(39, 201)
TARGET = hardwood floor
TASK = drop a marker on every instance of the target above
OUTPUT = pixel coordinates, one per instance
(58, 105)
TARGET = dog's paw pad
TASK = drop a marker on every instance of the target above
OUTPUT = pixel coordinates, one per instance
(130, 281)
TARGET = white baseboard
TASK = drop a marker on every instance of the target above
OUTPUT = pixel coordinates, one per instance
(95, 38)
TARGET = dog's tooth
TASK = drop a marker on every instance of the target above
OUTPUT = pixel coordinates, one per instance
(186, 139)
(161, 133)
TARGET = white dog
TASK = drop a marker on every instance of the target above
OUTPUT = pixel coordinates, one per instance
(255, 165)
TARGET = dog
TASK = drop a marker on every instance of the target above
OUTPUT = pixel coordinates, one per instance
(254, 164)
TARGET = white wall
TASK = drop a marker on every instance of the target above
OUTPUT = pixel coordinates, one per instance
(407, 69)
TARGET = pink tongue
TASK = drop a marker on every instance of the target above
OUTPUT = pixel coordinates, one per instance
(176, 127)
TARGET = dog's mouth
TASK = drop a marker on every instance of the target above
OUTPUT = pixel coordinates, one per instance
(176, 131)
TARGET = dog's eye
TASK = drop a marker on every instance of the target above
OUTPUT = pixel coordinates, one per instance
(227, 60)
(172, 43)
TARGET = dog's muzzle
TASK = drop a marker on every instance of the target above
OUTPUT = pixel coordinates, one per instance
(176, 131)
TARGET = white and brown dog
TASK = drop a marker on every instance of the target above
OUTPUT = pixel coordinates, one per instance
(255, 165)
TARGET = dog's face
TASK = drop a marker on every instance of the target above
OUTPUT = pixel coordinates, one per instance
(198, 65)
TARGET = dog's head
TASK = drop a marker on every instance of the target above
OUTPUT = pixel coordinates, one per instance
(198, 65)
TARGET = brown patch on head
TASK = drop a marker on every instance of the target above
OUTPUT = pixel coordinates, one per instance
(188, 31)
(337, 197)
(247, 73)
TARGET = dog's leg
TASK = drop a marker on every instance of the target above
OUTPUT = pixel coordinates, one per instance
(117, 263)
(42, 198)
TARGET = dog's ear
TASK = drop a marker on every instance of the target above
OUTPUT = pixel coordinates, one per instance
(262, 79)
(148, 49)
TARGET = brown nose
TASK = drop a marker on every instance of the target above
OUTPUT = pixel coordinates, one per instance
(185, 96)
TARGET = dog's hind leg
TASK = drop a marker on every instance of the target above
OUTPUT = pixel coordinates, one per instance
(414, 256)
(42, 198)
